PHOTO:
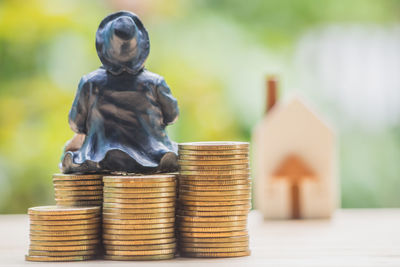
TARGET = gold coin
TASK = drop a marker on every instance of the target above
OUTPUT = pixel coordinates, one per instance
(212, 250)
(139, 232)
(77, 183)
(64, 258)
(214, 245)
(62, 253)
(78, 203)
(139, 210)
(138, 237)
(65, 233)
(215, 193)
(64, 227)
(213, 168)
(66, 243)
(111, 220)
(213, 145)
(138, 200)
(144, 190)
(139, 206)
(115, 215)
(139, 184)
(86, 188)
(67, 193)
(216, 254)
(214, 163)
(213, 234)
(214, 204)
(215, 172)
(139, 242)
(140, 196)
(211, 219)
(69, 222)
(156, 178)
(142, 247)
(64, 217)
(139, 258)
(213, 152)
(137, 226)
(140, 252)
(217, 208)
(63, 248)
(213, 158)
(211, 229)
(212, 214)
(213, 224)
(234, 193)
(68, 177)
(78, 198)
(207, 240)
(215, 182)
(215, 188)
(63, 238)
(214, 177)
(183, 198)
(57, 210)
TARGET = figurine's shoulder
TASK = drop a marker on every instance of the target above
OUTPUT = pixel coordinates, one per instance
(96, 76)
(150, 77)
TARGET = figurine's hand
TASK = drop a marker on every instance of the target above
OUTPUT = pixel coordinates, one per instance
(169, 105)
(75, 143)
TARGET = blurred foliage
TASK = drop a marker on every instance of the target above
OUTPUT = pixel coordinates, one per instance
(212, 54)
(278, 23)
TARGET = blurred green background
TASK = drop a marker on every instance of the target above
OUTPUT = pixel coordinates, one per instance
(342, 56)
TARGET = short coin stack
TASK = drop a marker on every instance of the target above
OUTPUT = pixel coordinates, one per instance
(78, 189)
(139, 217)
(64, 233)
(214, 199)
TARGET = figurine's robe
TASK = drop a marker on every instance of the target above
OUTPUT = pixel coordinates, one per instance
(124, 118)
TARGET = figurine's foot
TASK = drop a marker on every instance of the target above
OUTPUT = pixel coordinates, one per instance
(68, 165)
(169, 162)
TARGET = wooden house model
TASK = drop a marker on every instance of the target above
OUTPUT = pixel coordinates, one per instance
(295, 162)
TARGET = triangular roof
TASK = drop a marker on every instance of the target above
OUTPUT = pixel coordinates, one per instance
(293, 104)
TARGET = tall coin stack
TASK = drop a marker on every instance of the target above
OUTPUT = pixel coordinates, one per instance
(64, 233)
(78, 189)
(139, 217)
(214, 199)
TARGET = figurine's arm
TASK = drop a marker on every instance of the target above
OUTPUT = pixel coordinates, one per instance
(78, 112)
(168, 103)
(75, 143)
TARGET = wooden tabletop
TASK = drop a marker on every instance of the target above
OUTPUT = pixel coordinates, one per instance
(352, 238)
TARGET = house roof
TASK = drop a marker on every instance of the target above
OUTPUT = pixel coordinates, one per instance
(294, 104)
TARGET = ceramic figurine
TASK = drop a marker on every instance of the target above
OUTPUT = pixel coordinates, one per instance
(121, 110)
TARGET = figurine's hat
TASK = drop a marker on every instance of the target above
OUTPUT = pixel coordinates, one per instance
(122, 43)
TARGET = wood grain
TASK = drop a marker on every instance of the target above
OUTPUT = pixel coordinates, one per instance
(352, 238)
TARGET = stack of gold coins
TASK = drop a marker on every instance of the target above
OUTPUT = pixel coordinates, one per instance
(139, 217)
(78, 189)
(64, 233)
(214, 199)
